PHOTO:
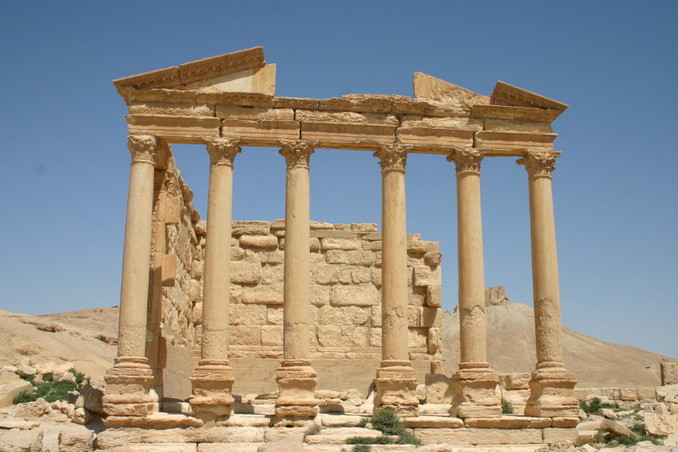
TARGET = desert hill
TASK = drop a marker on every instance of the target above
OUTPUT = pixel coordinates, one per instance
(87, 339)
(511, 348)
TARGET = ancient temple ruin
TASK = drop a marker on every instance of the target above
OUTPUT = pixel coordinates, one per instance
(293, 301)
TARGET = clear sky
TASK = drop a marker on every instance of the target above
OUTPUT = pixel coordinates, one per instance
(65, 165)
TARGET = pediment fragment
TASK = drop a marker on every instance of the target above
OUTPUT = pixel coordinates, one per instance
(435, 90)
(507, 94)
(242, 71)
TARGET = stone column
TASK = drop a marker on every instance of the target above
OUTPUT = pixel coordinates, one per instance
(474, 384)
(213, 378)
(396, 379)
(296, 403)
(129, 381)
(552, 385)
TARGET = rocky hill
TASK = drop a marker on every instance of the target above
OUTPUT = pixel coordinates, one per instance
(511, 348)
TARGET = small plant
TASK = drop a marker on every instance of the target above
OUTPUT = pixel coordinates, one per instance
(409, 438)
(369, 440)
(51, 390)
(595, 405)
(363, 422)
(387, 422)
(314, 430)
(362, 448)
(506, 408)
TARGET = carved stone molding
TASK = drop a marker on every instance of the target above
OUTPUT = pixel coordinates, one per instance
(467, 160)
(297, 153)
(392, 157)
(144, 148)
(539, 164)
(222, 151)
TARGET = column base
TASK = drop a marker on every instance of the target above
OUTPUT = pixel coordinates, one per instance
(128, 389)
(474, 392)
(552, 392)
(296, 404)
(212, 381)
(396, 385)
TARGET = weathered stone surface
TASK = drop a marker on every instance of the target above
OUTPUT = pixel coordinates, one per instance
(10, 390)
(354, 296)
(669, 373)
(21, 440)
(76, 440)
(245, 272)
(479, 436)
(259, 241)
(660, 424)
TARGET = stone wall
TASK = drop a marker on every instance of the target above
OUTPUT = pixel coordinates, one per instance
(345, 317)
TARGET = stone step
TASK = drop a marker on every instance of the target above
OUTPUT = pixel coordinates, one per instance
(339, 435)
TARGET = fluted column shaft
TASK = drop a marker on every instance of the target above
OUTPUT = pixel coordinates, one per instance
(296, 403)
(213, 379)
(136, 259)
(217, 278)
(473, 338)
(297, 277)
(394, 293)
(552, 384)
(396, 379)
(129, 381)
(474, 384)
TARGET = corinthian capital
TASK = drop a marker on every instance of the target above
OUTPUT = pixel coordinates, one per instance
(144, 148)
(466, 160)
(539, 163)
(297, 153)
(222, 151)
(392, 157)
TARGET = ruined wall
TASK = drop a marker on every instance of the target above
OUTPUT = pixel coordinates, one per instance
(177, 255)
(345, 316)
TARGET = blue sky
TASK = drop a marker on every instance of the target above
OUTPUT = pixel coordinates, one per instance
(65, 166)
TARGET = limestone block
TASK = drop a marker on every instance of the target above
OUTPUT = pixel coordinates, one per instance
(237, 253)
(347, 315)
(239, 228)
(479, 436)
(329, 336)
(272, 335)
(247, 314)
(646, 394)
(194, 290)
(354, 296)
(413, 316)
(315, 245)
(245, 272)
(433, 340)
(515, 140)
(337, 257)
(326, 274)
(168, 270)
(360, 275)
(375, 337)
(558, 435)
(438, 389)
(431, 317)
(263, 294)
(21, 440)
(172, 128)
(371, 245)
(272, 274)
(417, 338)
(10, 390)
(628, 394)
(660, 424)
(364, 227)
(245, 335)
(259, 241)
(433, 258)
(424, 276)
(261, 132)
(421, 246)
(515, 381)
(376, 276)
(274, 315)
(226, 111)
(330, 243)
(669, 373)
(377, 258)
(320, 295)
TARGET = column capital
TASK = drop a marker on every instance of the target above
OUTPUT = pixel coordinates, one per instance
(297, 153)
(392, 157)
(539, 163)
(466, 160)
(144, 148)
(222, 151)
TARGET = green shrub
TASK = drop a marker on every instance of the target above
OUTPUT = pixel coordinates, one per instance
(595, 405)
(23, 397)
(409, 438)
(369, 440)
(362, 448)
(387, 422)
(51, 390)
(506, 408)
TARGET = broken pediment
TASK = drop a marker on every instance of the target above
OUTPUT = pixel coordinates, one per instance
(434, 90)
(244, 71)
(507, 94)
